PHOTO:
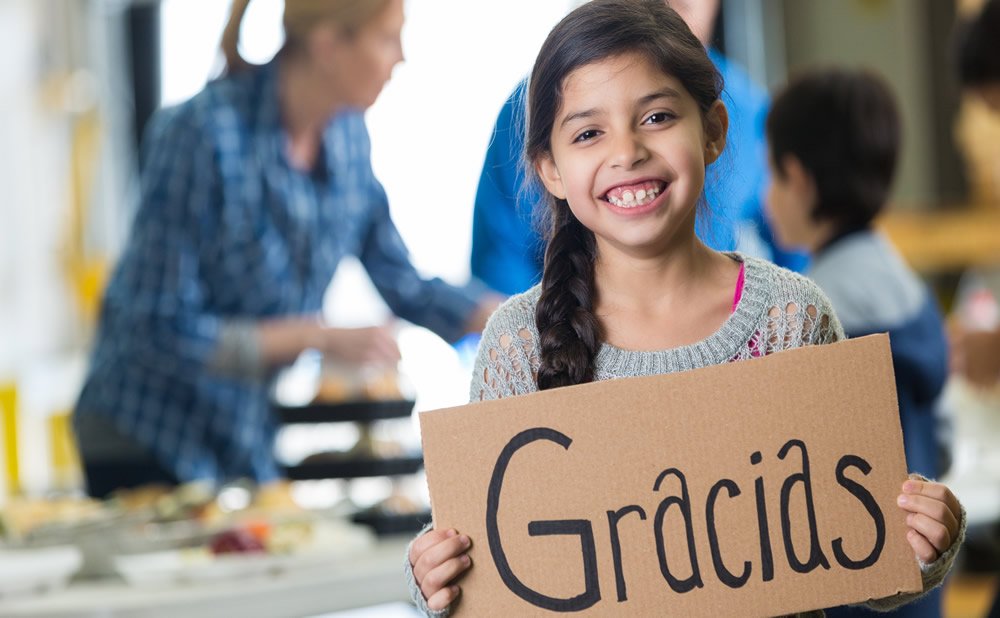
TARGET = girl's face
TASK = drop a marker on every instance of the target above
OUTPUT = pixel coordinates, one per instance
(629, 148)
(359, 65)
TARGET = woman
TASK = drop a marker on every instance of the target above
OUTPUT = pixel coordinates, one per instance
(252, 192)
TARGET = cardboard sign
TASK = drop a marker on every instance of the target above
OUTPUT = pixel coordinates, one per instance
(760, 487)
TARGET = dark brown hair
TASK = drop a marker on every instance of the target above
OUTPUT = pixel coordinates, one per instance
(842, 124)
(977, 46)
(569, 331)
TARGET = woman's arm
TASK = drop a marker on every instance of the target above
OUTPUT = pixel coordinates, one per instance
(443, 308)
(251, 349)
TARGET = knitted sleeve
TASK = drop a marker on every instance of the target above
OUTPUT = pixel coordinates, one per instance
(508, 358)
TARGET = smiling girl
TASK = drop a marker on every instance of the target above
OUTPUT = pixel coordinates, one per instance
(624, 117)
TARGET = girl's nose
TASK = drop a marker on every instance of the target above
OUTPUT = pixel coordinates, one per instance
(628, 151)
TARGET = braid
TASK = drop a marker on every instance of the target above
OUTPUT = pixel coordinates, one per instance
(568, 329)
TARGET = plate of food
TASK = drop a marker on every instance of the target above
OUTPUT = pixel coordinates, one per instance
(249, 549)
(32, 571)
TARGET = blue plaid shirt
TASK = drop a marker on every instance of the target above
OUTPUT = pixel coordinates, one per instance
(228, 231)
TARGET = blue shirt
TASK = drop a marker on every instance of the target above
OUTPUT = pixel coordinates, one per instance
(227, 231)
(507, 249)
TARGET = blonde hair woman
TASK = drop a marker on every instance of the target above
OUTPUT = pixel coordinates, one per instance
(252, 192)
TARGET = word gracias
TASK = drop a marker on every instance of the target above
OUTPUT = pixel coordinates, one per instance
(584, 529)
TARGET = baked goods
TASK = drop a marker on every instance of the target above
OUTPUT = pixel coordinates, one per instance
(341, 383)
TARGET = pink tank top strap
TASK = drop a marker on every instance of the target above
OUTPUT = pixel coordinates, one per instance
(739, 287)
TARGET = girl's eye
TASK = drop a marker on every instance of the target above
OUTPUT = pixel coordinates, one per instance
(659, 117)
(587, 135)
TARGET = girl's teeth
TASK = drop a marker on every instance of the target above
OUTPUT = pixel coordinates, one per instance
(631, 200)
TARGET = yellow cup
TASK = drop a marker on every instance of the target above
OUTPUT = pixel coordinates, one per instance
(66, 469)
(8, 434)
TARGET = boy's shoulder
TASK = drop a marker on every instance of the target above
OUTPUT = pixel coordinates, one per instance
(869, 283)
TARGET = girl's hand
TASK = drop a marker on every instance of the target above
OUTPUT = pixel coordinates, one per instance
(437, 558)
(934, 518)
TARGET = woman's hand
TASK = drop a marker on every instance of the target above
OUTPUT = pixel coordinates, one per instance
(283, 339)
(975, 355)
(487, 305)
(375, 345)
(437, 559)
(934, 518)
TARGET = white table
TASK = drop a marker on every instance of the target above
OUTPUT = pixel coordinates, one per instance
(371, 579)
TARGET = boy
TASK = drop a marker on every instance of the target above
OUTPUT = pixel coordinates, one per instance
(833, 141)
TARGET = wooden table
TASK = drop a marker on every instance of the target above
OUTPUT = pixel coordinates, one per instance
(945, 240)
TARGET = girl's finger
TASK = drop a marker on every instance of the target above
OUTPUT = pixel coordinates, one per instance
(921, 547)
(427, 540)
(932, 508)
(443, 598)
(933, 531)
(437, 555)
(933, 490)
(444, 575)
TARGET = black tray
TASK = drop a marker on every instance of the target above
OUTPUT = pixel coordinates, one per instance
(355, 468)
(383, 524)
(348, 411)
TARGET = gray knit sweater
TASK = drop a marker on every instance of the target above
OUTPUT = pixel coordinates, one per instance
(779, 310)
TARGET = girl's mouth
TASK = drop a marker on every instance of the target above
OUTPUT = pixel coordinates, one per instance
(635, 195)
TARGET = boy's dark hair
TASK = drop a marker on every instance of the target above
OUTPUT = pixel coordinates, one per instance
(977, 46)
(569, 332)
(844, 127)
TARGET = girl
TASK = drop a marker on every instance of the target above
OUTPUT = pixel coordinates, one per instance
(624, 117)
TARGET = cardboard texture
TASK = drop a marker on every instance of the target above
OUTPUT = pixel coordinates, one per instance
(599, 499)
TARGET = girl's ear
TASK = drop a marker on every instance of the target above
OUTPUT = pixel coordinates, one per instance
(716, 126)
(550, 176)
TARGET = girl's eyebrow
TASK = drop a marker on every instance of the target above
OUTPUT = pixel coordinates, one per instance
(588, 113)
(665, 93)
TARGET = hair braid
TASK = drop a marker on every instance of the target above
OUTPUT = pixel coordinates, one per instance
(569, 332)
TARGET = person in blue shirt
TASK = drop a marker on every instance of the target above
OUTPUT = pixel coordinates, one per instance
(834, 139)
(976, 354)
(252, 192)
(507, 242)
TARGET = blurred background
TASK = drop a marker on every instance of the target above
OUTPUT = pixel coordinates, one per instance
(79, 81)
